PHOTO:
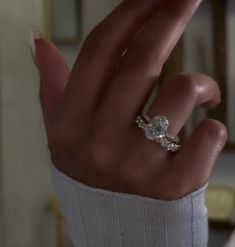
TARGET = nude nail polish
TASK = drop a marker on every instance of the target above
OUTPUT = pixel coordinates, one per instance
(34, 35)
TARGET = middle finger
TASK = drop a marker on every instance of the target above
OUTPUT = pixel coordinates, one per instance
(145, 58)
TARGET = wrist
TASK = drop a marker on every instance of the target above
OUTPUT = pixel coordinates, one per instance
(132, 219)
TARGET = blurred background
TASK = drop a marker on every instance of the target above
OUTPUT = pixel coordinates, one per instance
(29, 214)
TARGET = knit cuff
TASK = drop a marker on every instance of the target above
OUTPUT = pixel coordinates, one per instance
(100, 218)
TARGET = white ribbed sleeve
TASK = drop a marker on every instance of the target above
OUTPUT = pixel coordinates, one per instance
(99, 218)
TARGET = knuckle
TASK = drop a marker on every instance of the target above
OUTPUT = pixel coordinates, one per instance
(196, 85)
(188, 83)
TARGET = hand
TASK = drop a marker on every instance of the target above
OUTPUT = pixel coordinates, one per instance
(89, 113)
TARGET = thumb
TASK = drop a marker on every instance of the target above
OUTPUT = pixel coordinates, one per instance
(54, 73)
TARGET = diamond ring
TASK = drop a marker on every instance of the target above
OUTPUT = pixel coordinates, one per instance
(156, 129)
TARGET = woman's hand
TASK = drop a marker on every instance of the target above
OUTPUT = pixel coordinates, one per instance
(90, 113)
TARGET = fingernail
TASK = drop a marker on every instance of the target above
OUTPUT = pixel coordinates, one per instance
(34, 35)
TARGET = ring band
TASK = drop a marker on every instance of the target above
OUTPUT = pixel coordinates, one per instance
(155, 129)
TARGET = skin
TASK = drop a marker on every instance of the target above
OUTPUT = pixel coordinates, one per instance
(89, 112)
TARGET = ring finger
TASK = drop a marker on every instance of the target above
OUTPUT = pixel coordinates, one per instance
(180, 96)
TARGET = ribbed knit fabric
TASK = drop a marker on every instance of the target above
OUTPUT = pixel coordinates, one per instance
(99, 218)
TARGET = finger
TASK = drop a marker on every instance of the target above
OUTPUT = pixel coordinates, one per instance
(180, 96)
(146, 56)
(54, 74)
(198, 155)
(101, 53)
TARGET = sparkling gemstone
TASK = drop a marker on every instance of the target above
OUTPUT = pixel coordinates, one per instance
(165, 143)
(156, 128)
(159, 138)
(173, 147)
(150, 132)
(160, 124)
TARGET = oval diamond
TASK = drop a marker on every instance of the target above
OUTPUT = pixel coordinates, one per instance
(160, 124)
(150, 132)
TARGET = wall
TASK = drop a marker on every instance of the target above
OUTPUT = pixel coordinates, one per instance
(2, 233)
(225, 169)
(231, 64)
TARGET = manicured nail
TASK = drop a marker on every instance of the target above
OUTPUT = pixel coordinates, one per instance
(34, 35)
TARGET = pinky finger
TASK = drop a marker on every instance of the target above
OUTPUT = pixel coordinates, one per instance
(197, 157)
